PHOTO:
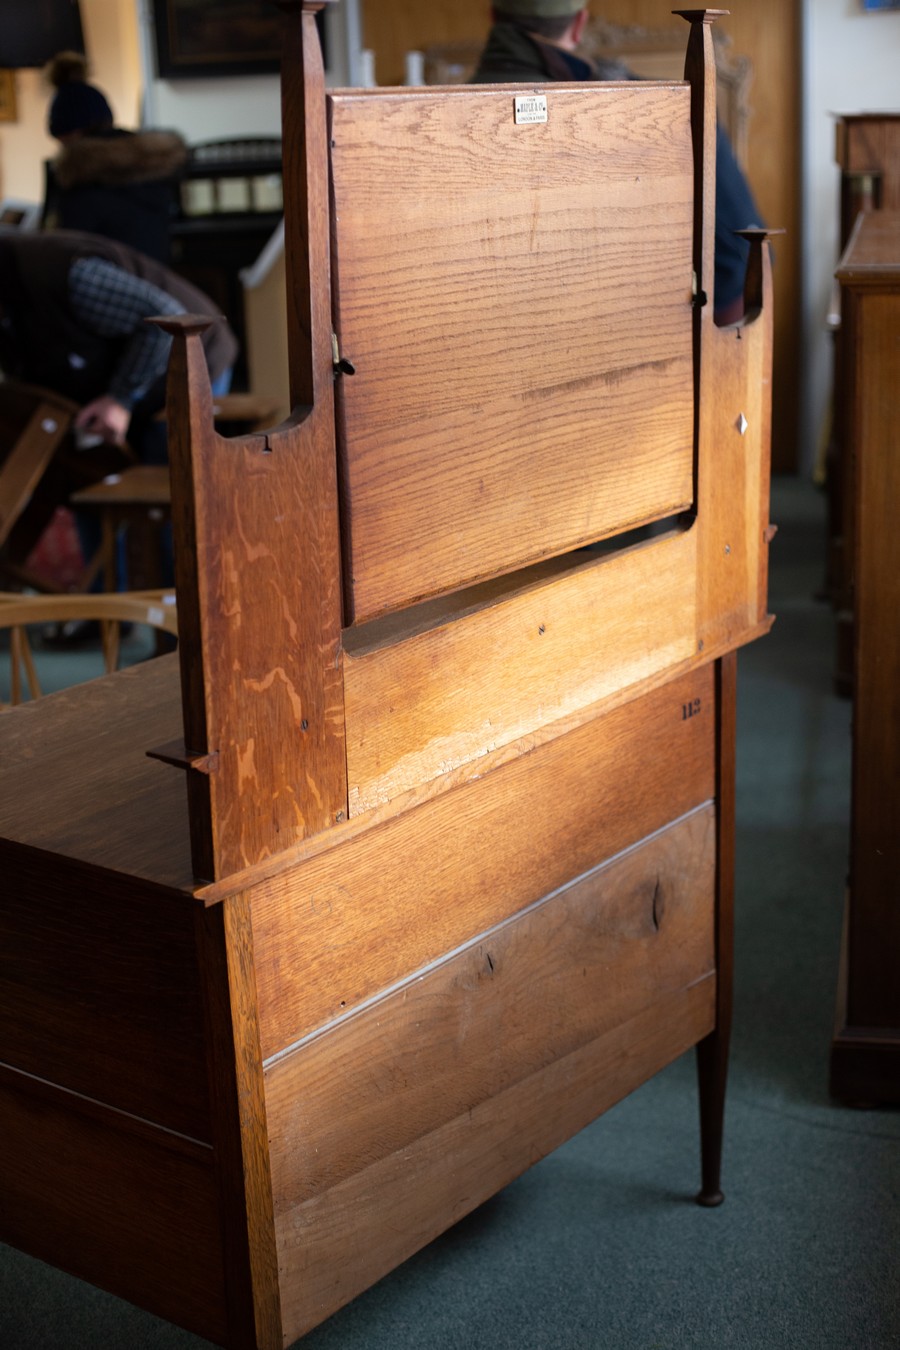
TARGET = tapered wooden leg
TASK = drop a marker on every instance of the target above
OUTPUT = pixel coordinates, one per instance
(712, 1052)
(712, 1070)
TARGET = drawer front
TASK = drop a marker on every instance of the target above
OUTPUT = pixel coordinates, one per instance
(492, 1055)
(353, 922)
(128, 1206)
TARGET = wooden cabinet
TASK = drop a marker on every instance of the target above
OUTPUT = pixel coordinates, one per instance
(867, 151)
(429, 860)
(865, 1064)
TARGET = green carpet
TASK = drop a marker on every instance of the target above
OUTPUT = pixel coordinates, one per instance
(600, 1247)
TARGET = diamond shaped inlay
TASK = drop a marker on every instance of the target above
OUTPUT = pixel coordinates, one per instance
(742, 424)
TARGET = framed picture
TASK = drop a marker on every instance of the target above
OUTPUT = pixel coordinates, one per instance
(218, 37)
(881, 4)
(7, 96)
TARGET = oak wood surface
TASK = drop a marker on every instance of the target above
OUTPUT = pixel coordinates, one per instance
(490, 1144)
(84, 787)
(342, 964)
(260, 617)
(735, 417)
(635, 928)
(447, 696)
(767, 33)
(112, 1201)
(241, 1155)
(99, 990)
(485, 851)
(250, 607)
(470, 373)
(487, 1018)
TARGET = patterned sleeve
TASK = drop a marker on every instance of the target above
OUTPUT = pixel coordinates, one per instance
(114, 304)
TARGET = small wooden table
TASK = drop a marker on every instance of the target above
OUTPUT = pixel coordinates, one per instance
(139, 497)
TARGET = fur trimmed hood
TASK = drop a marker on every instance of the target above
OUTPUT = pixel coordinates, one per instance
(120, 157)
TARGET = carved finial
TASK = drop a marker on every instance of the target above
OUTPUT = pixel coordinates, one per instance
(307, 6)
(702, 15)
(186, 324)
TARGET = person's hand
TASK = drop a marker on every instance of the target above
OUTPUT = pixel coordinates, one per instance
(106, 418)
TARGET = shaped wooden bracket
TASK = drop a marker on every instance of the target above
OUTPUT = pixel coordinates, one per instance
(257, 556)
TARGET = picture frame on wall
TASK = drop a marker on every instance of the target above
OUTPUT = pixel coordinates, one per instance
(8, 111)
(197, 38)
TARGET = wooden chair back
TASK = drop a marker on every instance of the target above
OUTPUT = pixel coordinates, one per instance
(40, 465)
(33, 424)
(18, 612)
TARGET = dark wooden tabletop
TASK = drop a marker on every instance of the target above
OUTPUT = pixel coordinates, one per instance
(76, 780)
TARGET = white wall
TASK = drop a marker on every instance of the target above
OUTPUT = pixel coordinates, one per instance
(852, 64)
(250, 105)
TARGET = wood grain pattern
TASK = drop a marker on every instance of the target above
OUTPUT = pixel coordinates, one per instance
(461, 388)
(112, 1201)
(874, 931)
(249, 605)
(402, 1011)
(241, 1155)
(99, 992)
(259, 617)
(767, 33)
(84, 787)
(733, 476)
(490, 1145)
(485, 851)
(490, 1014)
(447, 696)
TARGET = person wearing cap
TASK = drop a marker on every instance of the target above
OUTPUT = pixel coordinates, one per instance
(536, 42)
(106, 180)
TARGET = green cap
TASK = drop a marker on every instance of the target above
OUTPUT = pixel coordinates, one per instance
(541, 9)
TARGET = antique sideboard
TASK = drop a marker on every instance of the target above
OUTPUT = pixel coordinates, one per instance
(418, 855)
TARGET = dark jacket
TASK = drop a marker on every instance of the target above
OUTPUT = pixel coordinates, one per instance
(514, 56)
(120, 184)
(44, 343)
